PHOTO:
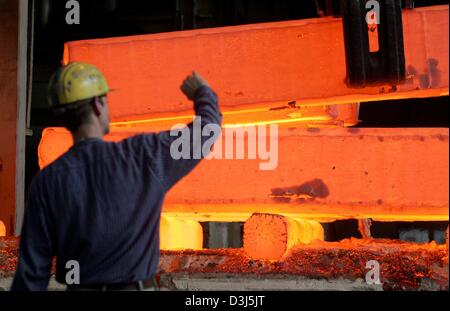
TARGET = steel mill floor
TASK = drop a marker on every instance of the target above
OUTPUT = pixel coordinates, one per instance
(318, 266)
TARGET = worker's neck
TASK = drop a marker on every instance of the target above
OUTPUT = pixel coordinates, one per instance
(87, 131)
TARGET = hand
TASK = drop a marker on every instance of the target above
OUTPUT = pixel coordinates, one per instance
(191, 84)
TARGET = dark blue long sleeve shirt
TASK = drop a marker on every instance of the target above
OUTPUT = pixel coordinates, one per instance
(100, 204)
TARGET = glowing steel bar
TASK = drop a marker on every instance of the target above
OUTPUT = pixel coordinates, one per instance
(341, 115)
(322, 174)
(260, 65)
(268, 236)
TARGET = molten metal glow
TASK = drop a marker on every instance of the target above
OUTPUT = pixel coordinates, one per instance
(314, 212)
(178, 234)
(2, 229)
(343, 115)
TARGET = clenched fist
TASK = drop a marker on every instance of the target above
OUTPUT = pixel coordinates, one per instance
(191, 84)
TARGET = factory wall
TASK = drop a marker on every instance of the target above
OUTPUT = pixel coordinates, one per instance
(8, 112)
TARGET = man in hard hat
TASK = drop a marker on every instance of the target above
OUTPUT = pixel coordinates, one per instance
(97, 208)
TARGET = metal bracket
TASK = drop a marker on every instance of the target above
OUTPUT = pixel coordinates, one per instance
(374, 52)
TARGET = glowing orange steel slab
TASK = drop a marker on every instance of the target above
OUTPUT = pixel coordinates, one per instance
(289, 73)
(260, 65)
(322, 174)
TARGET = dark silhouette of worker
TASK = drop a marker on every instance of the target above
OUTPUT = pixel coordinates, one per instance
(99, 204)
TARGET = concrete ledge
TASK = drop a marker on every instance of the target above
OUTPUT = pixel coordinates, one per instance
(233, 282)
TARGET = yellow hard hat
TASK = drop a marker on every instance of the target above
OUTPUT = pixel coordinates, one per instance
(74, 82)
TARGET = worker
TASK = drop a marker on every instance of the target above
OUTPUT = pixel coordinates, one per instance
(99, 204)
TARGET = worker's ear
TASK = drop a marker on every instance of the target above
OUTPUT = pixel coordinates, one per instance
(96, 106)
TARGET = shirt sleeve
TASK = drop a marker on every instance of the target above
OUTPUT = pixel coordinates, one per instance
(36, 252)
(173, 154)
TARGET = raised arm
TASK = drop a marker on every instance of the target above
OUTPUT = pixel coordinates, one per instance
(173, 154)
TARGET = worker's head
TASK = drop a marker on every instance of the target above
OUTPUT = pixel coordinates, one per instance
(77, 95)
